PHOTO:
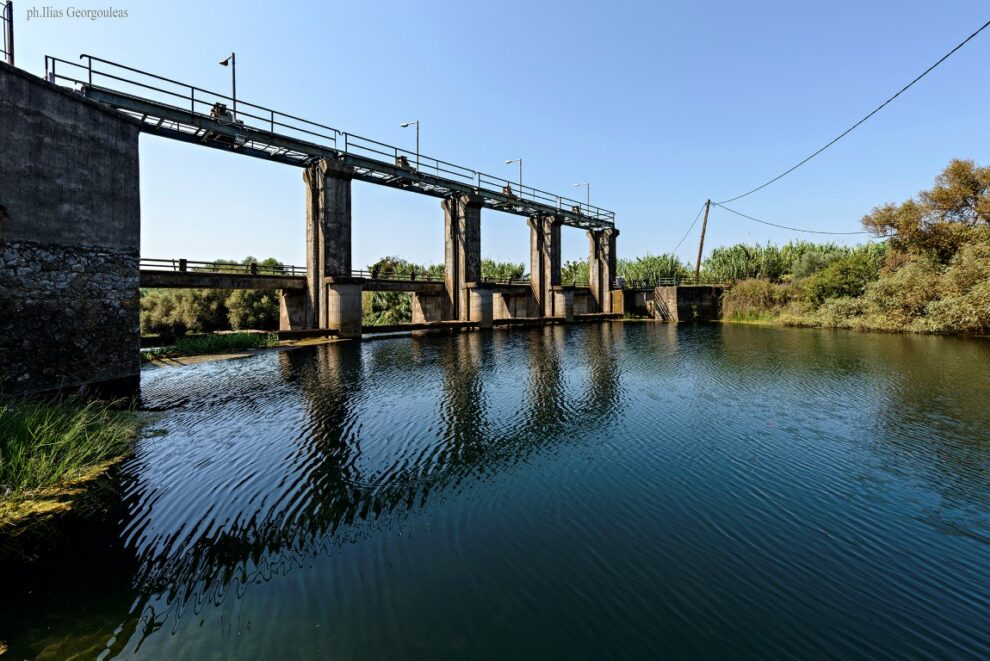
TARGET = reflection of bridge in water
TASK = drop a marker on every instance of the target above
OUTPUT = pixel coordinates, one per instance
(334, 479)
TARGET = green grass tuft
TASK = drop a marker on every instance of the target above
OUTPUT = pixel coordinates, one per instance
(45, 443)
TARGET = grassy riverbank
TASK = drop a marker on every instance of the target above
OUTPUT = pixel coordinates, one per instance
(212, 344)
(47, 448)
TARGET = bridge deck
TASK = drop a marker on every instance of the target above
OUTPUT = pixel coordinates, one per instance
(265, 133)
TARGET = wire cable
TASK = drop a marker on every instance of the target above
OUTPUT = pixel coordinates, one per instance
(695, 222)
(793, 229)
(856, 125)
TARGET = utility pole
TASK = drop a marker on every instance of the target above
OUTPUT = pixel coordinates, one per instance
(701, 243)
(8, 10)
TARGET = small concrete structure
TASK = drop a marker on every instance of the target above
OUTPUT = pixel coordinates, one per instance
(70, 227)
(686, 303)
(481, 305)
(563, 303)
(343, 299)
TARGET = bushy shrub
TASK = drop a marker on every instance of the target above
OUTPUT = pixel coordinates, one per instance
(754, 299)
(176, 312)
(741, 262)
(899, 298)
(253, 309)
(844, 277)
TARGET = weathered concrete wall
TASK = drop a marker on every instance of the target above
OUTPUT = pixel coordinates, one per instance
(328, 233)
(429, 307)
(701, 303)
(584, 302)
(462, 250)
(69, 239)
(514, 306)
(544, 260)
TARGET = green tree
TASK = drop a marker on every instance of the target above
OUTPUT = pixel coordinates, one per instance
(493, 270)
(956, 211)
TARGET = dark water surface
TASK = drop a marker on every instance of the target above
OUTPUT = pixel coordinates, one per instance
(605, 491)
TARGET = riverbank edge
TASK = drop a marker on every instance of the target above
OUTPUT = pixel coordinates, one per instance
(777, 322)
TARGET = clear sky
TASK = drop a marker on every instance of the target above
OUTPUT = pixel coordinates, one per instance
(658, 104)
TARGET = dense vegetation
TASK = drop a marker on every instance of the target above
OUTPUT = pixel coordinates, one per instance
(931, 275)
(43, 443)
(175, 312)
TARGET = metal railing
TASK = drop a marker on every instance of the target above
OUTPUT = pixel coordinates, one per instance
(7, 27)
(401, 276)
(193, 266)
(98, 73)
(676, 281)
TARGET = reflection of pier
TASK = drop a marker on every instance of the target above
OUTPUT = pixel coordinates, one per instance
(338, 478)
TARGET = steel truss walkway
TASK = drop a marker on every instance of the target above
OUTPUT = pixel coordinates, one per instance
(184, 112)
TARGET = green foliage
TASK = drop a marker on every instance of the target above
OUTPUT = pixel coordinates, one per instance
(650, 268)
(175, 312)
(207, 344)
(252, 309)
(492, 270)
(954, 213)
(576, 271)
(386, 307)
(43, 443)
(846, 276)
(741, 262)
(749, 300)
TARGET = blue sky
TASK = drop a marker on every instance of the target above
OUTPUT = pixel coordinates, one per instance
(658, 104)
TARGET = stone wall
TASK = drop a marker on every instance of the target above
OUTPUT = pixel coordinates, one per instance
(69, 239)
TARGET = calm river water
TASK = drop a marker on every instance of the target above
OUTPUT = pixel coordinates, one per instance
(605, 491)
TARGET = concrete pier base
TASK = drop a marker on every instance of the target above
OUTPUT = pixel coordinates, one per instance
(563, 303)
(428, 308)
(344, 308)
(291, 309)
(482, 309)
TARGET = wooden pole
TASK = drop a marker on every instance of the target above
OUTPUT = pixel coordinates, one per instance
(701, 243)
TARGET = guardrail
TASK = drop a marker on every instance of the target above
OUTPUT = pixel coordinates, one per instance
(129, 80)
(677, 281)
(193, 266)
(410, 276)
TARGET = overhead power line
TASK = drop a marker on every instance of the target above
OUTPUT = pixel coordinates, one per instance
(793, 229)
(854, 126)
(695, 222)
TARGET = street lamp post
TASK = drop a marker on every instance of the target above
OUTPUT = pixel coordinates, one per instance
(406, 125)
(587, 192)
(231, 61)
(519, 161)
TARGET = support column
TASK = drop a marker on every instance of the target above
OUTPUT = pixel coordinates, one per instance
(482, 309)
(601, 266)
(328, 233)
(544, 260)
(563, 303)
(291, 309)
(462, 250)
(343, 298)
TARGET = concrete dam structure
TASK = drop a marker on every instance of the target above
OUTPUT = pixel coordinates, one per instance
(70, 225)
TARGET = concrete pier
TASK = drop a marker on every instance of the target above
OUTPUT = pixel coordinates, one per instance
(462, 250)
(482, 310)
(601, 267)
(544, 260)
(291, 310)
(428, 308)
(343, 296)
(563, 303)
(328, 234)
